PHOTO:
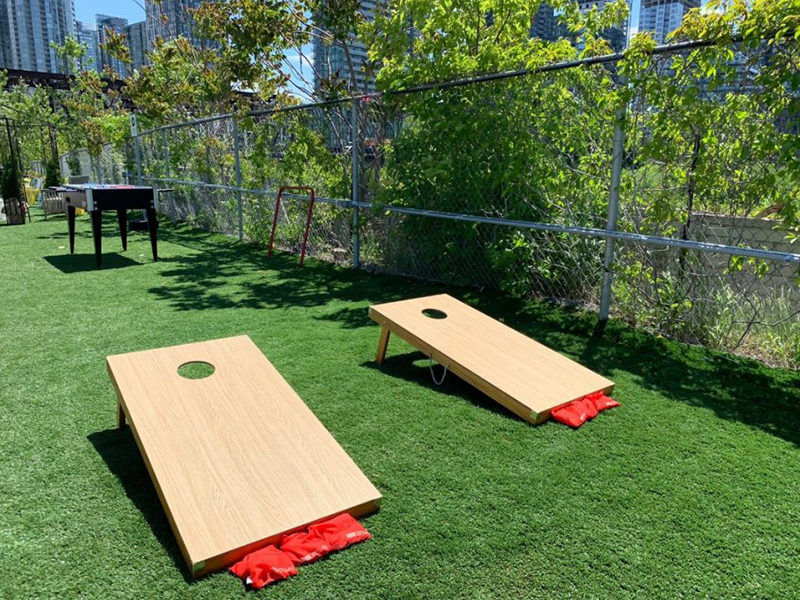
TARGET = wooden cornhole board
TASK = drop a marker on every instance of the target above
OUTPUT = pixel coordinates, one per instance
(237, 458)
(523, 375)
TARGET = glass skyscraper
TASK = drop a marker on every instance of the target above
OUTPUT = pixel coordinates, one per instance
(27, 29)
(662, 17)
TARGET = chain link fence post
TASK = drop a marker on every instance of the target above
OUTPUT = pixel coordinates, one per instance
(354, 133)
(613, 211)
(237, 166)
(165, 156)
(136, 149)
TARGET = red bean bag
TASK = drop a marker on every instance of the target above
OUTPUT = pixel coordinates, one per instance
(340, 532)
(603, 402)
(264, 566)
(577, 412)
(305, 546)
(568, 415)
(271, 564)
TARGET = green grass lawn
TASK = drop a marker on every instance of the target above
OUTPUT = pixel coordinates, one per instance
(690, 489)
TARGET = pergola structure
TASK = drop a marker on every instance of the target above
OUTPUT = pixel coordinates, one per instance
(58, 81)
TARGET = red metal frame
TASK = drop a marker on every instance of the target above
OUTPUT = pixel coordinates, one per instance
(311, 195)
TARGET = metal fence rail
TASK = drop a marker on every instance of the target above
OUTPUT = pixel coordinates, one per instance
(523, 181)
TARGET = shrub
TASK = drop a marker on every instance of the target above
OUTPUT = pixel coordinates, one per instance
(52, 173)
(9, 180)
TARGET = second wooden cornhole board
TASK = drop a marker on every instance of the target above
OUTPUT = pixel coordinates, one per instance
(237, 458)
(523, 375)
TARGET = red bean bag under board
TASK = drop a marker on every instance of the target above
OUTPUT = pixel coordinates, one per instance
(340, 531)
(305, 546)
(577, 412)
(264, 566)
(602, 402)
(270, 564)
(568, 415)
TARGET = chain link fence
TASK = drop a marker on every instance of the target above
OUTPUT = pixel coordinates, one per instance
(646, 193)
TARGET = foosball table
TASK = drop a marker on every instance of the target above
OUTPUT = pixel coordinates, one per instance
(95, 198)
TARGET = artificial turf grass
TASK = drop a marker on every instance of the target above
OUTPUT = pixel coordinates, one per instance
(690, 488)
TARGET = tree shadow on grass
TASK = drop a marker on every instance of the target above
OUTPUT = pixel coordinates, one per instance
(228, 274)
(82, 234)
(54, 217)
(118, 449)
(224, 274)
(734, 388)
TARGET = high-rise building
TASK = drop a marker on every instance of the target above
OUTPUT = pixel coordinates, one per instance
(137, 42)
(169, 19)
(331, 61)
(106, 23)
(86, 34)
(662, 17)
(27, 30)
(545, 23)
(5, 37)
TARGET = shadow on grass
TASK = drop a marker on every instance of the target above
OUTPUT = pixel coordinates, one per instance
(223, 273)
(228, 274)
(81, 235)
(118, 449)
(83, 226)
(52, 217)
(734, 388)
(74, 263)
(414, 367)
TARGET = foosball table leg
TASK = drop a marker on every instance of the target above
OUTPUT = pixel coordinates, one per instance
(122, 219)
(152, 226)
(71, 227)
(97, 234)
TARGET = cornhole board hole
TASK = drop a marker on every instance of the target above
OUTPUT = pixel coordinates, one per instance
(523, 375)
(237, 458)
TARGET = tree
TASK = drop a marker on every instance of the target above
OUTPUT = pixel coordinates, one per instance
(52, 173)
(533, 148)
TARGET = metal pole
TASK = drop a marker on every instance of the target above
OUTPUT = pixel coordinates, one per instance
(354, 134)
(237, 166)
(613, 211)
(136, 149)
(165, 155)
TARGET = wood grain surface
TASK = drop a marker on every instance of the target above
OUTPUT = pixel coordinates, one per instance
(523, 375)
(237, 458)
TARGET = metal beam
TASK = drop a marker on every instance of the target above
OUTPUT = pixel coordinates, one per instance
(787, 257)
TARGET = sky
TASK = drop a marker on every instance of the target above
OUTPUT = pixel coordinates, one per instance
(133, 10)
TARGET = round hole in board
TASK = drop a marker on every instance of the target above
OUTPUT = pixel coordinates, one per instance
(196, 369)
(434, 313)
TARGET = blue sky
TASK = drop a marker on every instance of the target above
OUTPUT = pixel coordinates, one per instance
(133, 10)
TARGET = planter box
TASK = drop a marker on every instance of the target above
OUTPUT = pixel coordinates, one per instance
(15, 211)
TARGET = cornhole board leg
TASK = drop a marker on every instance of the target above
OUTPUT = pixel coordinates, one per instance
(383, 343)
(504, 364)
(120, 415)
